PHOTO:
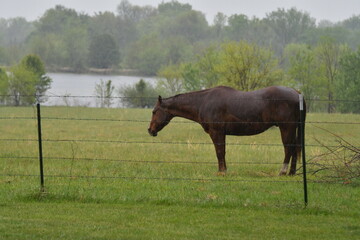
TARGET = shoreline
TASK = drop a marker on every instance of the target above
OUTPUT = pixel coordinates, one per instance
(99, 71)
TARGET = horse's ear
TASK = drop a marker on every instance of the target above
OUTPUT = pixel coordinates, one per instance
(160, 99)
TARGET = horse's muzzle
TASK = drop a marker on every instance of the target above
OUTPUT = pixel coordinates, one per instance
(152, 133)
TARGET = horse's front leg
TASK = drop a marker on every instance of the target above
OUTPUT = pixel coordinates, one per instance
(218, 139)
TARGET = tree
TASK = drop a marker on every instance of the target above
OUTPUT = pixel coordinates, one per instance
(27, 82)
(238, 27)
(67, 32)
(4, 81)
(348, 86)
(103, 52)
(34, 64)
(135, 14)
(170, 79)
(146, 55)
(206, 62)
(190, 74)
(142, 95)
(304, 70)
(289, 25)
(22, 86)
(247, 67)
(219, 24)
(104, 93)
(329, 54)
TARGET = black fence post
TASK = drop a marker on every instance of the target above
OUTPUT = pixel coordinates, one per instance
(40, 148)
(302, 132)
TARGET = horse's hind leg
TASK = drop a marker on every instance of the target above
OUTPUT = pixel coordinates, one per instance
(288, 134)
(296, 153)
(219, 143)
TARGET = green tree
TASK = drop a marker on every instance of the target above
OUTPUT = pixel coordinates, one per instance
(34, 64)
(146, 55)
(64, 35)
(170, 79)
(220, 21)
(128, 12)
(103, 52)
(27, 82)
(21, 86)
(289, 26)
(329, 53)
(348, 86)
(142, 95)
(206, 62)
(4, 82)
(238, 27)
(247, 67)
(190, 74)
(304, 70)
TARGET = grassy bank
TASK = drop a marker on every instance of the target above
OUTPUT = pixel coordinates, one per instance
(106, 178)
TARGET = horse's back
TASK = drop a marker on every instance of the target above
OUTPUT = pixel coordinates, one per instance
(275, 103)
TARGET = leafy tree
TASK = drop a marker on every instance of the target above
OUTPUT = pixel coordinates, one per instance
(220, 21)
(190, 74)
(146, 55)
(348, 86)
(27, 82)
(289, 25)
(304, 70)
(68, 32)
(170, 79)
(352, 23)
(34, 64)
(247, 66)
(76, 48)
(21, 86)
(17, 31)
(142, 95)
(132, 13)
(207, 62)
(104, 23)
(57, 20)
(104, 92)
(4, 81)
(49, 47)
(329, 53)
(238, 28)
(104, 52)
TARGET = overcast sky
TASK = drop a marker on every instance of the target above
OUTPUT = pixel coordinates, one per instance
(333, 10)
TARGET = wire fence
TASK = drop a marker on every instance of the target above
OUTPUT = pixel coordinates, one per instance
(75, 128)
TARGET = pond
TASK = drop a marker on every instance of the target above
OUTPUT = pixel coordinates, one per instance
(79, 89)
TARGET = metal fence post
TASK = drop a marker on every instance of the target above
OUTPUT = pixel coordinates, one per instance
(40, 148)
(302, 134)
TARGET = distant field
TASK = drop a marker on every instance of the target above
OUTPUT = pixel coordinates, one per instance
(106, 178)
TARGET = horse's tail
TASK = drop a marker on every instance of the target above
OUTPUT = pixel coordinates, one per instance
(298, 133)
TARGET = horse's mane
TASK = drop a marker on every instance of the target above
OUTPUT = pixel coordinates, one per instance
(189, 94)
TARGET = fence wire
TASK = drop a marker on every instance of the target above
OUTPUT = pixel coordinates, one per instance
(59, 158)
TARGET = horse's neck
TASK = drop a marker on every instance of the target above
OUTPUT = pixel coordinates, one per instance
(184, 106)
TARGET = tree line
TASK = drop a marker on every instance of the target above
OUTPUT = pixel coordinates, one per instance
(176, 43)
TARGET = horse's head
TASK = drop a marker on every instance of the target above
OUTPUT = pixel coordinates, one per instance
(160, 118)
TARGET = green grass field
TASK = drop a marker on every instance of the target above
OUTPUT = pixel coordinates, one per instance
(106, 178)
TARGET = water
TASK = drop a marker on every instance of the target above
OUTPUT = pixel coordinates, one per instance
(79, 89)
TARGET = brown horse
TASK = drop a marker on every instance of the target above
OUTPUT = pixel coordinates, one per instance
(225, 111)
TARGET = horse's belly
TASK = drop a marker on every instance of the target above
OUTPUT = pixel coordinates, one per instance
(246, 129)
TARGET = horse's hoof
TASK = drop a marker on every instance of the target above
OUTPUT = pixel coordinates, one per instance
(221, 173)
(282, 173)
